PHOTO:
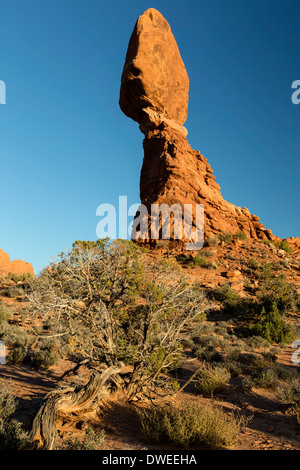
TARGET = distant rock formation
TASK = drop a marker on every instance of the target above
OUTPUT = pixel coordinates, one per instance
(154, 92)
(16, 266)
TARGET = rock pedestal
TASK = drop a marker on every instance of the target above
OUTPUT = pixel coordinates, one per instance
(154, 92)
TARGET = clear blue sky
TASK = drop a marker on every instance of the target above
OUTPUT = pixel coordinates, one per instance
(66, 147)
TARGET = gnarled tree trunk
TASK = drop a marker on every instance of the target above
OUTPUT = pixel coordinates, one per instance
(68, 400)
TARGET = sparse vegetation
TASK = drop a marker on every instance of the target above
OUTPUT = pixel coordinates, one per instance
(12, 435)
(110, 310)
(191, 425)
(241, 235)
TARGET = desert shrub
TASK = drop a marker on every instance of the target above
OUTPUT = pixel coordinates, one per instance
(45, 354)
(3, 313)
(272, 327)
(286, 373)
(290, 391)
(204, 328)
(12, 292)
(241, 235)
(212, 240)
(266, 378)
(233, 304)
(284, 245)
(13, 335)
(212, 379)
(275, 288)
(253, 263)
(225, 237)
(233, 367)
(7, 403)
(92, 441)
(198, 260)
(16, 355)
(246, 361)
(247, 384)
(18, 277)
(257, 342)
(191, 425)
(44, 358)
(12, 435)
(207, 353)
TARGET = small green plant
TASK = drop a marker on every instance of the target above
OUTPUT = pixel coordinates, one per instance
(45, 355)
(12, 435)
(274, 287)
(212, 379)
(213, 240)
(241, 235)
(193, 424)
(273, 327)
(284, 245)
(225, 237)
(266, 378)
(253, 263)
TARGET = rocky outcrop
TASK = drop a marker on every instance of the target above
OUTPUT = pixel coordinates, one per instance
(16, 266)
(154, 92)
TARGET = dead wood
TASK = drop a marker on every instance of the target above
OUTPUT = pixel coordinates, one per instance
(67, 400)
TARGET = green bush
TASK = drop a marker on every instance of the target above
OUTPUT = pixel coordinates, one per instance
(12, 435)
(225, 237)
(241, 235)
(266, 378)
(13, 335)
(191, 425)
(233, 304)
(212, 379)
(276, 288)
(253, 263)
(17, 355)
(273, 327)
(284, 245)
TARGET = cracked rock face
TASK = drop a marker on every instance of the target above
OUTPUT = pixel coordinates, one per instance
(154, 92)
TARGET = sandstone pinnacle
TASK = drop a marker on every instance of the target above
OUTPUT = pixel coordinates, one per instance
(154, 92)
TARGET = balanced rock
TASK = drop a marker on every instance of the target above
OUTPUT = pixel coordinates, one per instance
(154, 92)
(16, 266)
(154, 83)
